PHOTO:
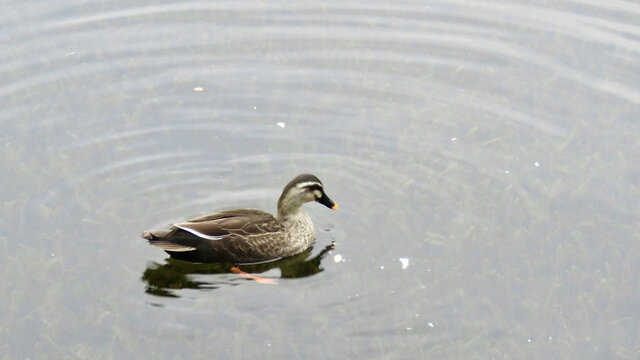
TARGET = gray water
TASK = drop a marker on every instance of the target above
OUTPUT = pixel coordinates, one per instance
(484, 156)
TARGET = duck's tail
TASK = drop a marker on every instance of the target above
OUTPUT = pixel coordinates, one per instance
(154, 234)
(157, 239)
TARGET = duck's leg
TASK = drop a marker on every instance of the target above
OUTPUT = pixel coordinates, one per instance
(261, 280)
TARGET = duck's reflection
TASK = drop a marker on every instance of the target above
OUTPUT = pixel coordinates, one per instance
(175, 274)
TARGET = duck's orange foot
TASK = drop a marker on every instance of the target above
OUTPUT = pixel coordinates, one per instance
(261, 280)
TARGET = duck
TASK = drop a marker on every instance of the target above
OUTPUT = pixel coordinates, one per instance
(247, 236)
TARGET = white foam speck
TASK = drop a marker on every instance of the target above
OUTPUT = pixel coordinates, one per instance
(507, 171)
(381, 267)
(281, 124)
(198, 89)
(536, 163)
(337, 258)
(430, 324)
(405, 262)
(454, 138)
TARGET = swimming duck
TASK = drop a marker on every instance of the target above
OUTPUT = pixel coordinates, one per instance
(246, 236)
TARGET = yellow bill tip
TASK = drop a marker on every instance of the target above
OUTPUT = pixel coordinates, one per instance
(334, 207)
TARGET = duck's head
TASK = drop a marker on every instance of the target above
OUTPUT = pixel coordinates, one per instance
(303, 189)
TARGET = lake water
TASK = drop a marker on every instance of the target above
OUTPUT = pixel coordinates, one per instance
(485, 157)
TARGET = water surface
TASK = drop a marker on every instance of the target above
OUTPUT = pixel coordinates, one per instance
(484, 156)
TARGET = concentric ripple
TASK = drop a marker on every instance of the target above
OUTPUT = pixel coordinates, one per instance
(483, 155)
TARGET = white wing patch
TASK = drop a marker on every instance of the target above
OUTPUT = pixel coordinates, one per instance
(199, 234)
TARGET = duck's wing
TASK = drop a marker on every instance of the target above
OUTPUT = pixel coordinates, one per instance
(257, 213)
(241, 222)
(215, 228)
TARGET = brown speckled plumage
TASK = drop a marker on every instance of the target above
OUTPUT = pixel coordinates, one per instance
(247, 235)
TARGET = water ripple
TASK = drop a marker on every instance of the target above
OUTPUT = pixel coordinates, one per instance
(371, 60)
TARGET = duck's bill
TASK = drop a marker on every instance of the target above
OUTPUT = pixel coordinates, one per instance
(324, 200)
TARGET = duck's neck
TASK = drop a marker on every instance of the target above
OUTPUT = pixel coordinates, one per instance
(292, 215)
(290, 207)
